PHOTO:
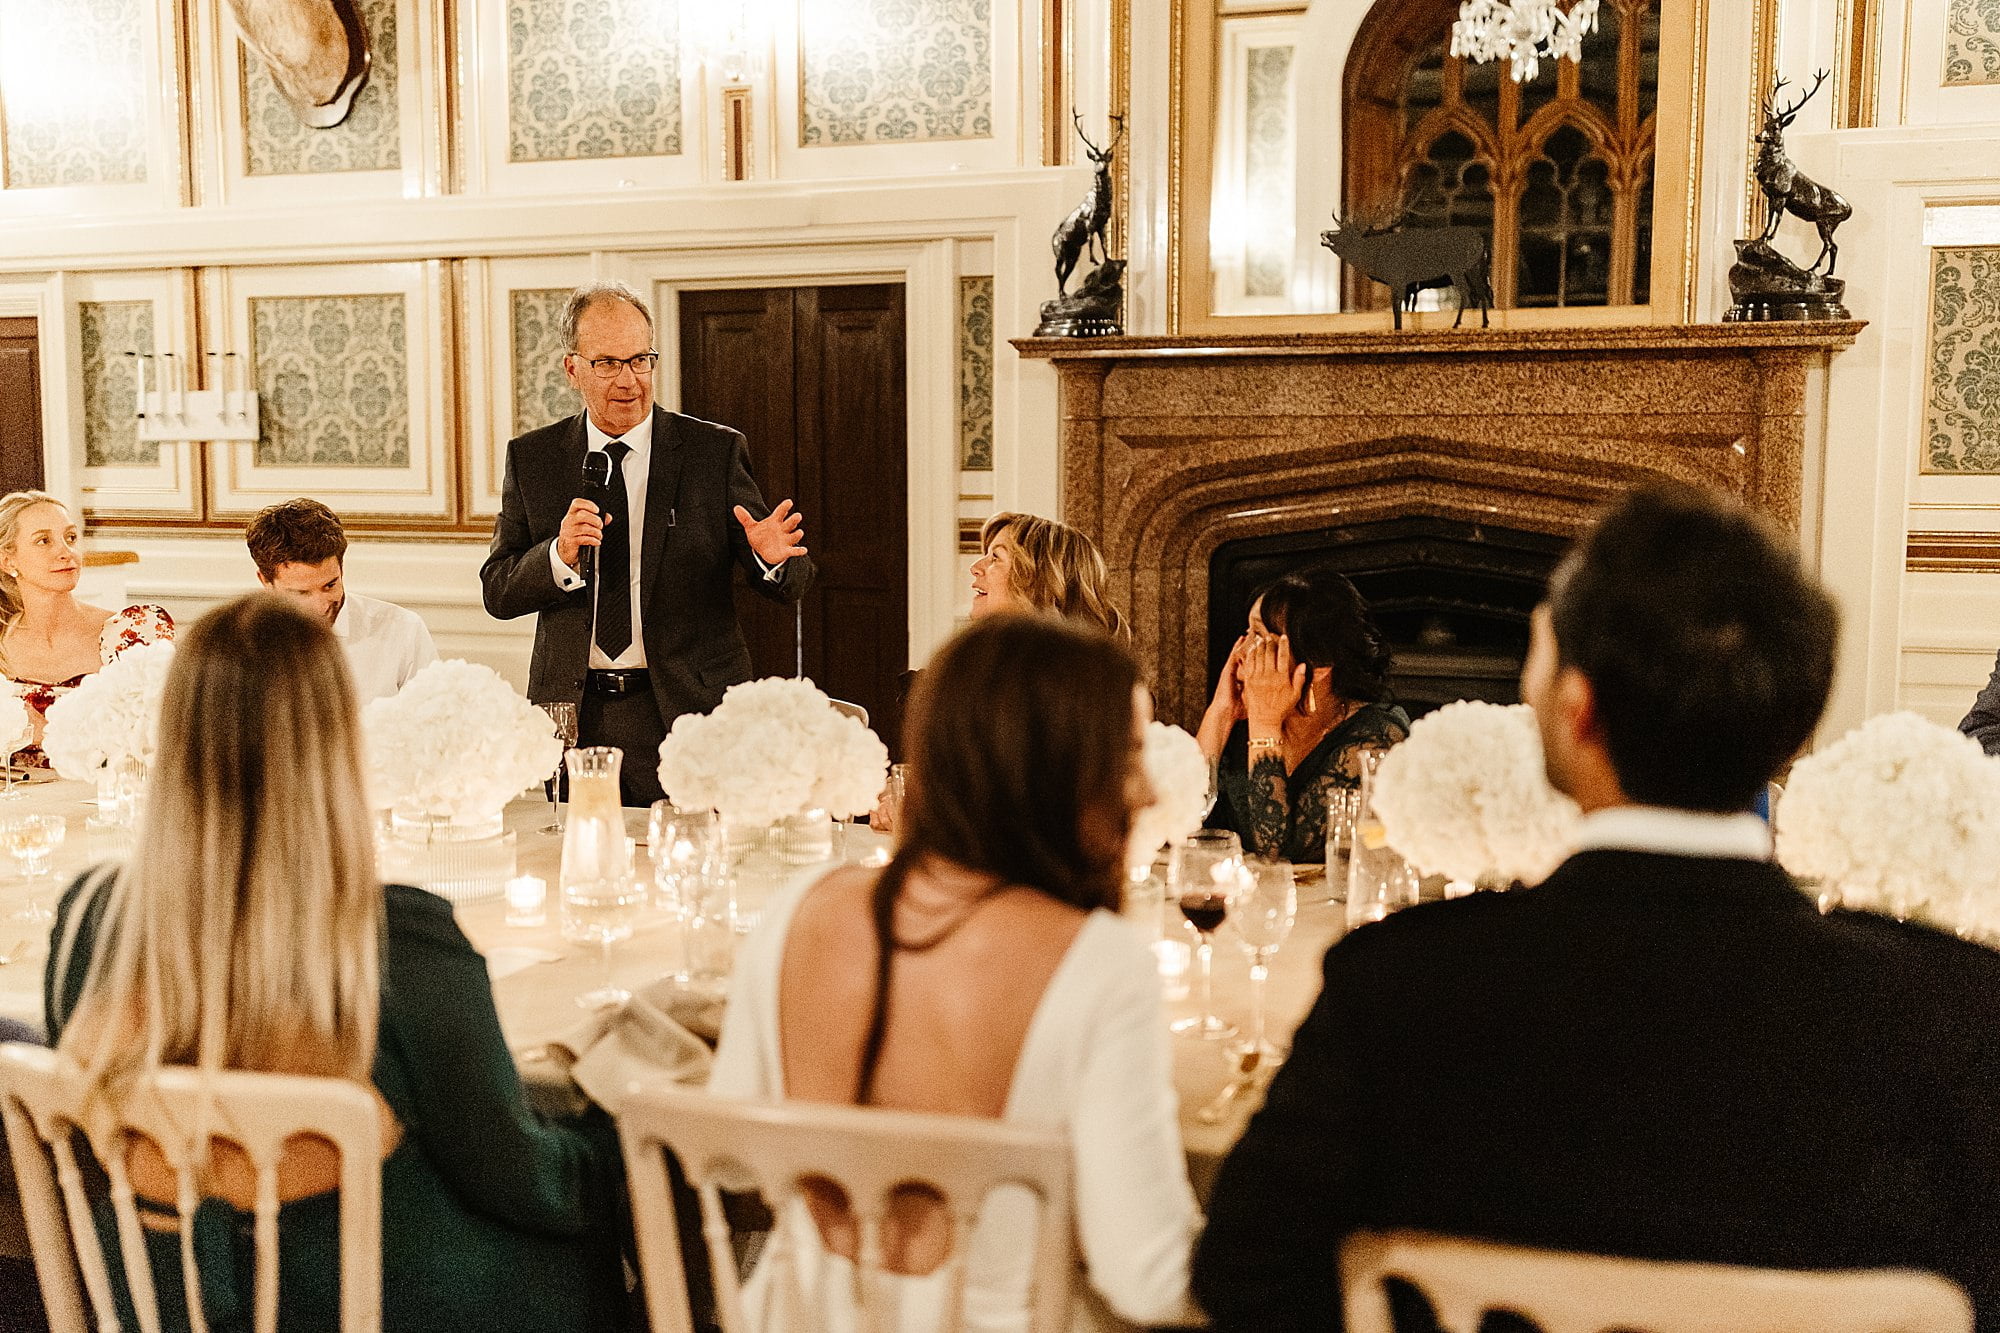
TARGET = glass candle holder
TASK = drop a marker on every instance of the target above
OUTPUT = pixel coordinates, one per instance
(527, 901)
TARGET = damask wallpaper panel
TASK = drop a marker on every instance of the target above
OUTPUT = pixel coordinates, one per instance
(1962, 388)
(277, 143)
(73, 86)
(975, 374)
(593, 79)
(1270, 178)
(108, 332)
(333, 375)
(1972, 43)
(541, 391)
(890, 71)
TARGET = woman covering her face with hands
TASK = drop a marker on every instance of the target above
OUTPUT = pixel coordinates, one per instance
(1304, 692)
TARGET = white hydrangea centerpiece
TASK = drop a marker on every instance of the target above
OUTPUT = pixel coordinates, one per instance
(456, 743)
(112, 716)
(1900, 815)
(1466, 796)
(1179, 774)
(772, 749)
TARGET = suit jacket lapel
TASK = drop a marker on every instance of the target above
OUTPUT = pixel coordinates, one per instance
(663, 478)
(567, 461)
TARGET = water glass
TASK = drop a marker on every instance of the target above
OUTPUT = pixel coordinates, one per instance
(602, 911)
(684, 843)
(601, 900)
(1343, 804)
(31, 841)
(1262, 911)
(1202, 871)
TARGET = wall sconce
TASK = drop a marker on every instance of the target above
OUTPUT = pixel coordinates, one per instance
(169, 412)
(733, 39)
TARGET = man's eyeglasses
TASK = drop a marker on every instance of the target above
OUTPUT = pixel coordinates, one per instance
(607, 367)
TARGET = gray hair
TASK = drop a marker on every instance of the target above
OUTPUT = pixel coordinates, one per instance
(598, 293)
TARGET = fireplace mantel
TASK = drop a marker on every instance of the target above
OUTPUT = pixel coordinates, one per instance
(1173, 446)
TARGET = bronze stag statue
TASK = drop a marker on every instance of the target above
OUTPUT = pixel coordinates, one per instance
(1092, 310)
(1766, 284)
(1789, 190)
(1406, 261)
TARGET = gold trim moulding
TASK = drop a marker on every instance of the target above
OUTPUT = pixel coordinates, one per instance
(1954, 553)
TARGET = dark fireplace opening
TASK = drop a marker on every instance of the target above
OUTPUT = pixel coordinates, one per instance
(1453, 598)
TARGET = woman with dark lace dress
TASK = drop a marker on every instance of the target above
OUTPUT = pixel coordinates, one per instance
(1304, 693)
(49, 641)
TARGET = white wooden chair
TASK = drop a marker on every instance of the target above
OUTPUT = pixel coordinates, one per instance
(855, 711)
(869, 1153)
(41, 1098)
(1588, 1293)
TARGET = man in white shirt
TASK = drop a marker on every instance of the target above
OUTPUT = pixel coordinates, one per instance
(300, 550)
(1664, 1050)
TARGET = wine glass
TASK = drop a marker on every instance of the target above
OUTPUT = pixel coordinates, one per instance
(1342, 805)
(32, 841)
(1200, 875)
(563, 716)
(1261, 911)
(687, 852)
(602, 909)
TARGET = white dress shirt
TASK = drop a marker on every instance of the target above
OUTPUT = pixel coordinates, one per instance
(1670, 832)
(386, 645)
(637, 465)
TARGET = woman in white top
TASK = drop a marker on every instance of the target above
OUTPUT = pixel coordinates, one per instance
(984, 972)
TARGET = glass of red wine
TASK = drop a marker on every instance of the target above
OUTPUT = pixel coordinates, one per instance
(1202, 873)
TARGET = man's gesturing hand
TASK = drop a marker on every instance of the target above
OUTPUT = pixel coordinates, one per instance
(777, 538)
(581, 527)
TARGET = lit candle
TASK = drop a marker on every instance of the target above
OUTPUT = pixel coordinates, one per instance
(527, 899)
(878, 856)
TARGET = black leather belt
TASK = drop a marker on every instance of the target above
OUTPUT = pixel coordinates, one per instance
(615, 683)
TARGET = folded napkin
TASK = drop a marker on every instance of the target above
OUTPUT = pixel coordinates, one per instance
(640, 1039)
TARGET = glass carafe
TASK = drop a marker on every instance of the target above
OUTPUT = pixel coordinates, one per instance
(1379, 880)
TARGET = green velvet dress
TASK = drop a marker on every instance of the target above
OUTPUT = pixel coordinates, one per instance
(493, 1217)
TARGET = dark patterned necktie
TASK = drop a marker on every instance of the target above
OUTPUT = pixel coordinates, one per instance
(614, 560)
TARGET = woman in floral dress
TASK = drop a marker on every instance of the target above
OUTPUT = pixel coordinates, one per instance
(49, 641)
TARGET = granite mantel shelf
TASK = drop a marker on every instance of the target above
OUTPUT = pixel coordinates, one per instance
(1825, 335)
(1173, 447)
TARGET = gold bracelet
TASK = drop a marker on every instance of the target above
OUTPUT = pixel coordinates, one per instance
(1267, 742)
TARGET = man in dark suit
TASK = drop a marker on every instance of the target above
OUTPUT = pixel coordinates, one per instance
(679, 511)
(1663, 1051)
(1983, 722)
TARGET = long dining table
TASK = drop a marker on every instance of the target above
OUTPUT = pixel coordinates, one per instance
(538, 975)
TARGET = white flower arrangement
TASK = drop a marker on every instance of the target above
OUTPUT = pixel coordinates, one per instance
(457, 742)
(113, 715)
(1179, 774)
(1466, 796)
(773, 748)
(1900, 815)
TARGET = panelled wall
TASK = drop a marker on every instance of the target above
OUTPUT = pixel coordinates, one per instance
(1912, 518)
(391, 287)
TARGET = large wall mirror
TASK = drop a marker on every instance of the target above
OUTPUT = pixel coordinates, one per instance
(1289, 115)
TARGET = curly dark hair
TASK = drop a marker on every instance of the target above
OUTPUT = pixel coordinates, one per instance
(1328, 623)
(297, 532)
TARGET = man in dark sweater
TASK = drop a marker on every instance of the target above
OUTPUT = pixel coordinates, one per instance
(1663, 1051)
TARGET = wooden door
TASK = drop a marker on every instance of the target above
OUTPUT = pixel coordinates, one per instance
(20, 407)
(814, 378)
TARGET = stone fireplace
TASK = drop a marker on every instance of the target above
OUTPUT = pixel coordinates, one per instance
(1200, 465)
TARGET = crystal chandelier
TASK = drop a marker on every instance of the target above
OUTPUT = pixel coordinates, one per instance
(1522, 32)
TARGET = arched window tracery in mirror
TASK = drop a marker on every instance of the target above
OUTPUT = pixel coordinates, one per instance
(1558, 171)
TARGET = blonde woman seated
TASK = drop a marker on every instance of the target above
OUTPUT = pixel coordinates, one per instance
(984, 972)
(49, 641)
(249, 931)
(1029, 563)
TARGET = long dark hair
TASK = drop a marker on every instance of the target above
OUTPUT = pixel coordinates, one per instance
(1019, 740)
(1324, 616)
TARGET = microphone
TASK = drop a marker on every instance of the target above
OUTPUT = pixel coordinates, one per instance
(596, 488)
